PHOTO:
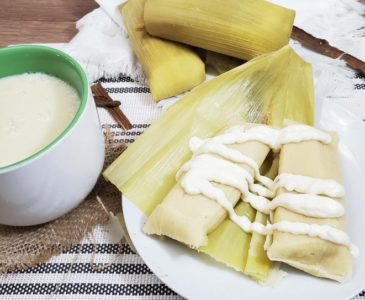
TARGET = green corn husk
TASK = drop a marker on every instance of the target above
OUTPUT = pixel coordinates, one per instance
(268, 89)
(217, 63)
(239, 250)
(171, 68)
(228, 243)
(239, 28)
(258, 265)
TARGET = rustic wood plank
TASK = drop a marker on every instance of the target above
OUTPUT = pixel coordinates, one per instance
(35, 32)
(40, 21)
(45, 10)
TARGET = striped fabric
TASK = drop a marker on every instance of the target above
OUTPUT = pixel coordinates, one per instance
(96, 268)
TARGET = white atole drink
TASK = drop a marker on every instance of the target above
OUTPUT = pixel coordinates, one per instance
(35, 109)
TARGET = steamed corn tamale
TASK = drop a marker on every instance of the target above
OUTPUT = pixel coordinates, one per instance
(189, 218)
(171, 68)
(238, 28)
(311, 254)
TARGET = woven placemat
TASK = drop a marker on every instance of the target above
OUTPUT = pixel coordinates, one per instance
(24, 247)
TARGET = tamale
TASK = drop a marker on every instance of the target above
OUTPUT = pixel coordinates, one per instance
(311, 254)
(189, 218)
(268, 89)
(239, 28)
(171, 68)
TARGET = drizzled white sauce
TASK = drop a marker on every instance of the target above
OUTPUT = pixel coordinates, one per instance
(199, 146)
(308, 205)
(201, 170)
(300, 133)
(272, 137)
(204, 169)
(309, 185)
(222, 167)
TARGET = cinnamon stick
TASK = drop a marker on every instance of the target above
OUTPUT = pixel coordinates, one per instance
(322, 46)
(101, 95)
(101, 102)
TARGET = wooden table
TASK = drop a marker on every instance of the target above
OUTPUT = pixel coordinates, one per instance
(40, 21)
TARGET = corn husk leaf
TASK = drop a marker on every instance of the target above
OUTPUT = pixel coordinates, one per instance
(242, 251)
(238, 28)
(171, 68)
(217, 63)
(268, 89)
(258, 265)
(228, 243)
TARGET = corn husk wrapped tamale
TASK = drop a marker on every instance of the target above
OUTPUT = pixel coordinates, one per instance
(238, 28)
(171, 68)
(311, 254)
(189, 218)
(268, 89)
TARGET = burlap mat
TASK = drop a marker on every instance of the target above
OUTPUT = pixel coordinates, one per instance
(24, 247)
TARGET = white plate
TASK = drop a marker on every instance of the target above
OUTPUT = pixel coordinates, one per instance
(197, 276)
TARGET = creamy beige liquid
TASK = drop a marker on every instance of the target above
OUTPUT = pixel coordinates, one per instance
(34, 109)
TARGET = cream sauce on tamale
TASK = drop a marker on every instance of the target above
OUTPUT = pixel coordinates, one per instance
(214, 161)
(272, 137)
(309, 185)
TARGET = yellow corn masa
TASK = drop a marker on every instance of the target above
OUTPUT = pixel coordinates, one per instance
(171, 68)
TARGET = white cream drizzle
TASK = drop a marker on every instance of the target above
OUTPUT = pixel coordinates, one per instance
(308, 205)
(199, 146)
(272, 137)
(309, 185)
(203, 169)
(222, 167)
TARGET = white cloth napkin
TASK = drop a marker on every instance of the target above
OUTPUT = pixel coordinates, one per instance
(103, 48)
(341, 23)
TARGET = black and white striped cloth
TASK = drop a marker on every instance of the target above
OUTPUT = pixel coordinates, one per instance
(120, 273)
